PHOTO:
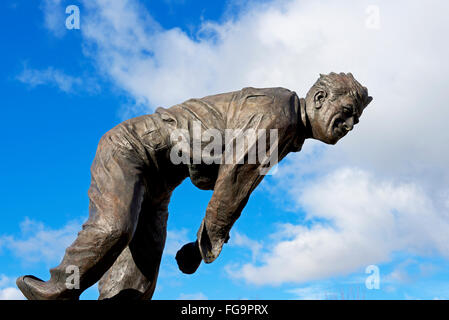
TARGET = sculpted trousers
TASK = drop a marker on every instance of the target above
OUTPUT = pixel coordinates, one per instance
(123, 239)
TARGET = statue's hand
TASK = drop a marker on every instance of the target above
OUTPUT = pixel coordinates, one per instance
(189, 257)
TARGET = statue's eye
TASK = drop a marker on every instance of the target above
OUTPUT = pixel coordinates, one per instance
(347, 110)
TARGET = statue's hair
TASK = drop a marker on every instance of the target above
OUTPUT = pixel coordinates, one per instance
(338, 84)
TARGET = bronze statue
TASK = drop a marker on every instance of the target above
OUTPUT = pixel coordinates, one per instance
(141, 161)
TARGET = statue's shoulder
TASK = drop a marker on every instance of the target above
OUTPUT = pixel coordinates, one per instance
(278, 95)
(266, 90)
(272, 91)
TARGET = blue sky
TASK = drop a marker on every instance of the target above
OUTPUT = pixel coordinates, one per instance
(377, 198)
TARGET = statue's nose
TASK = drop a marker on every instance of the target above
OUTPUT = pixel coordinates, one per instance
(349, 124)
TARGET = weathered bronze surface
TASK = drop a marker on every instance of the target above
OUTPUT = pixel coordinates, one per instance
(133, 176)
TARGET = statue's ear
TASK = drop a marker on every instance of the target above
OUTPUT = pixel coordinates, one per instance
(319, 98)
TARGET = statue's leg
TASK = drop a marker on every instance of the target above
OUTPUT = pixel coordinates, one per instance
(134, 273)
(116, 194)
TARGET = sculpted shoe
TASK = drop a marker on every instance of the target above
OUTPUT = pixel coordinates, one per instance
(34, 288)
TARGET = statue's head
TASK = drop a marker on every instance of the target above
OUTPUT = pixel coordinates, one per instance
(334, 105)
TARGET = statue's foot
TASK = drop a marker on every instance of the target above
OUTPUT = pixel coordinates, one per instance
(34, 288)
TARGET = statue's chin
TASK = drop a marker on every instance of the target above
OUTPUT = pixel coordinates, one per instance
(336, 135)
(332, 135)
(333, 140)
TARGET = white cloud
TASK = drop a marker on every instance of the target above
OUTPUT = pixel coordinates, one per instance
(192, 296)
(5, 281)
(11, 294)
(175, 240)
(7, 292)
(309, 293)
(39, 243)
(328, 292)
(50, 76)
(409, 271)
(366, 220)
(400, 274)
(54, 16)
(59, 79)
(241, 240)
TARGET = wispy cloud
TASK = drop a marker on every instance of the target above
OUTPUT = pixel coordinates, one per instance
(309, 293)
(241, 240)
(192, 296)
(175, 240)
(11, 293)
(59, 79)
(54, 16)
(49, 76)
(8, 291)
(39, 243)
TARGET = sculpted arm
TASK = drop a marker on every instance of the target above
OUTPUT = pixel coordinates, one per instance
(235, 182)
(233, 188)
(262, 129)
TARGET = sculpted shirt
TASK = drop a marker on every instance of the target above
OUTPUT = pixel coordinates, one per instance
(232, 181)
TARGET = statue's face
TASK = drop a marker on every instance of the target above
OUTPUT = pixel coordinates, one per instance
(332, 120)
